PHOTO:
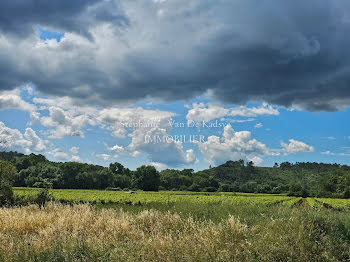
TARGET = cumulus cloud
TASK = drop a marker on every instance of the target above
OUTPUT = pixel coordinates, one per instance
(167, 151)
(238, 120)
(295, 147)
(139, 123)
(233, 146)
(289, 53)
(117, 148)
(59, 154)
(329, 153)
(203, 112)
(206, 112)
(75, 159)
(13, 139)
(64, 118)
(37, 144)
(135, 153)
(190, 156)
(74, 149)
(159, 166)
(13, 100)
(65, 124)
(258, 125)
(121, 120)
(105, 157)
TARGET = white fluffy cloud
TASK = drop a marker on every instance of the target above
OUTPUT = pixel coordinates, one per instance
(13, 100)
(105, 157)
(59, 154)
(233, 146)
(74, 149)
(117, 148)
(169, 152)
(159, 166)
(65, 124)
(64, 118)
(67, 119)
(329, 153)
(75, 159)
(120, 120)
(13, 139)
(258, 125)
(295, 147)
(37, 144)
(139, 123)
(206, 112)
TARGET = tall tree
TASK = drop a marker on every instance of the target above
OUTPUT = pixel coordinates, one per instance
(146, 178)
(7, 177)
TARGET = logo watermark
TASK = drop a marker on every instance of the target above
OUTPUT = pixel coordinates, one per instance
(156, 139)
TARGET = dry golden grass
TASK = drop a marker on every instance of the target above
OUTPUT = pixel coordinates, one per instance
(81, 233)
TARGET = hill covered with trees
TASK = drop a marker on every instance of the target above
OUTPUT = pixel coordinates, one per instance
(299, 179)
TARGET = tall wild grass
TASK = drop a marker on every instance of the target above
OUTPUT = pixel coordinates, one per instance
(83, 233)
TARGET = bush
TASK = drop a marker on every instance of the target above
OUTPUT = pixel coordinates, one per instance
(44, 194)
(7, 176)
(347, 193)
(183, 188)
(42, 184)
(43, 197)
(6, 195)
(209, 189)
(225, 188)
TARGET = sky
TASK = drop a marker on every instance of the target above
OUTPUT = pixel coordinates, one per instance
(174, 83)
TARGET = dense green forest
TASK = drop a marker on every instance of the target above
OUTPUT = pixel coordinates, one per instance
(299, 179)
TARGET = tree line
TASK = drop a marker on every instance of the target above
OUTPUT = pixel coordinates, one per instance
(298, 179)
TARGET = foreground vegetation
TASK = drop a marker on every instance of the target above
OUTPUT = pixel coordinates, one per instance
(172, 226)
(44, 224)
(250, 233)
(299, 179)
(144, 197)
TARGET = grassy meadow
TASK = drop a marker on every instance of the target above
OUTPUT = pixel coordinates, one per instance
(174, 226)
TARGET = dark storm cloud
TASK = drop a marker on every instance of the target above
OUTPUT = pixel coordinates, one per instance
(288, 53)
(20, 16)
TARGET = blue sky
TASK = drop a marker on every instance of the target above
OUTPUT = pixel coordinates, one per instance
(46, 34)
(326, 132)
(273, 76)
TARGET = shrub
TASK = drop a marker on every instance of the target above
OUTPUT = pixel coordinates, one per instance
(7, 176)
(209, 189)
(43, 197)
(44, 194)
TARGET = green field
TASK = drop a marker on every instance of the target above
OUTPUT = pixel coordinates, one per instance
(142, 197)
(214, 206)
(100, 225)
(173, 197)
